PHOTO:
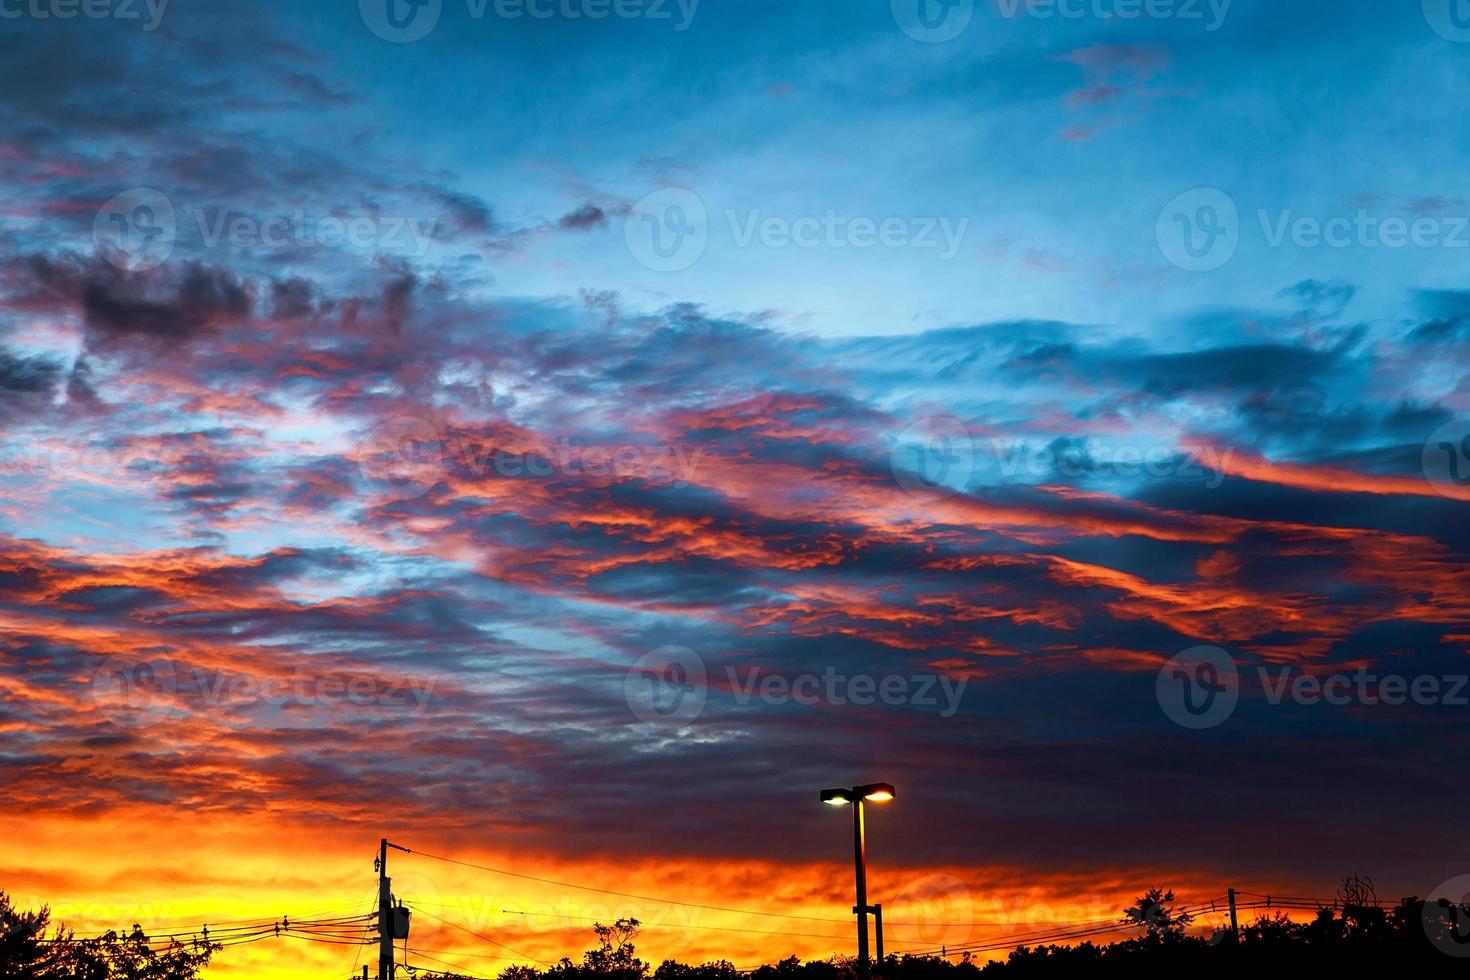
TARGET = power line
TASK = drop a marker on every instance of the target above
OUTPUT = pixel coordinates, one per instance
(457, 970)
(1053, 934)
(345, 930)
(477, 935)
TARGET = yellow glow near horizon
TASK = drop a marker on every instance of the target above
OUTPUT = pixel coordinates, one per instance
(170, 869)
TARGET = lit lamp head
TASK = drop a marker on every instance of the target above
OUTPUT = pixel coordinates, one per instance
(871, 793)
(836, 797)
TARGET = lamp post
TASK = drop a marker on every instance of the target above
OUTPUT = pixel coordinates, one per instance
(855, 798)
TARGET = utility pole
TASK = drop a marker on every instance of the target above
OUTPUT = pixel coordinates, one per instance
(1234, 926)
(386, 967)
(878, 928)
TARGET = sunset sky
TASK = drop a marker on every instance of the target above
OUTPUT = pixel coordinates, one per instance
(566, 443)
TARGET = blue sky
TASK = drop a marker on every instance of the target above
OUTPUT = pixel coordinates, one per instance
(1058, 141)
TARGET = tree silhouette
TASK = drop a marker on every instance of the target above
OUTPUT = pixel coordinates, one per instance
(614, 957)
(28, 953)
(1155, 912)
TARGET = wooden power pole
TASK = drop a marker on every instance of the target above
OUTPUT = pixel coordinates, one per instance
(386, 967)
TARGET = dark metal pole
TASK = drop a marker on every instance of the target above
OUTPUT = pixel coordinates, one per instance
(860, 859)
(386, 967)
(878, 928)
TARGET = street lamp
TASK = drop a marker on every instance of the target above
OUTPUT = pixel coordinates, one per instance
(856, 797)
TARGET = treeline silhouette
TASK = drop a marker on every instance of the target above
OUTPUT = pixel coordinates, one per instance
(1355, 936)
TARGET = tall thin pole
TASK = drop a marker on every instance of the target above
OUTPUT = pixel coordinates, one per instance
(878, 928)
(386, 967)
(860, 860)
(1234, 927)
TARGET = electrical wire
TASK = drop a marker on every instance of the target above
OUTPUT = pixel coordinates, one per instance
(493, 942)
